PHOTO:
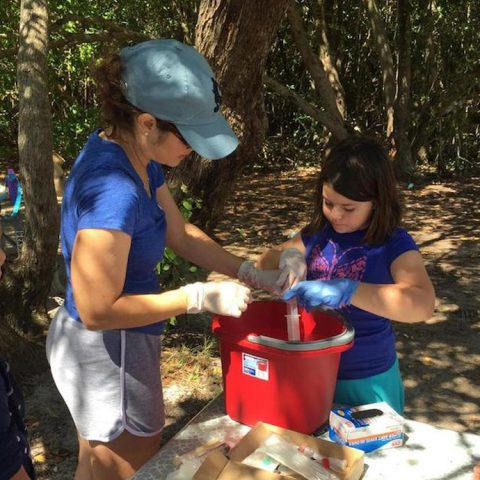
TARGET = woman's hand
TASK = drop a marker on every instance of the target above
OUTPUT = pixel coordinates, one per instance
(293, 268)
(267, 280)
(223, 298)
(334, 293)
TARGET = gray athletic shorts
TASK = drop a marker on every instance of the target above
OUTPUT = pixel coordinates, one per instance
(110, 380)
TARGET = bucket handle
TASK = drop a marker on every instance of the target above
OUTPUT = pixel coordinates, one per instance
(298, 346)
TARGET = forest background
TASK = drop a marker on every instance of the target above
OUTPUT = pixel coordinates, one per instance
(295, 76)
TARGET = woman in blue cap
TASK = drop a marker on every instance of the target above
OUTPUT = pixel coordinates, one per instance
(159, 102)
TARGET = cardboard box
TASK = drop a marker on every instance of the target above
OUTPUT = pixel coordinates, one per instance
(381, 427)
(217, 466)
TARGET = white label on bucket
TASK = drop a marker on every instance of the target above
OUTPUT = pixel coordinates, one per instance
(255, 366)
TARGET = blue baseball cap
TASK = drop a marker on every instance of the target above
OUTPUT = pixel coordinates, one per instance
(173, 82)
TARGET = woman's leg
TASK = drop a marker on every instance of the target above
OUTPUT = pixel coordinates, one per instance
(122, 457)
(476, 472)
(84, 466)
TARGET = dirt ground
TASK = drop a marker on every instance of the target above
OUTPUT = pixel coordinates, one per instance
(439, 359)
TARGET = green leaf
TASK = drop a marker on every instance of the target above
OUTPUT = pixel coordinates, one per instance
(187, 205)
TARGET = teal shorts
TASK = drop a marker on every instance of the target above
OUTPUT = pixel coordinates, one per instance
(384, 387)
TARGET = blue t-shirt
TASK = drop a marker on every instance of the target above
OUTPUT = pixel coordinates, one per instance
(103, 191)
(345, 255)
(14, 449)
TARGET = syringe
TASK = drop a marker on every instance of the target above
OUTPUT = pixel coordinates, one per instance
(293, 321)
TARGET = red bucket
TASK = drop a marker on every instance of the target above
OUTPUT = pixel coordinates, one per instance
(267, 378)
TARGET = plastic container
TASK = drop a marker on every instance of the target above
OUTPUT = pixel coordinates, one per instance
(267, 378)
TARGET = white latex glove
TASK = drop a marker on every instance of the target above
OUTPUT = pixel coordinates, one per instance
(293, 268)
(224, 298)
(256, 278)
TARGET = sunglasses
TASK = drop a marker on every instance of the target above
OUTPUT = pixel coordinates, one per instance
(173, 129)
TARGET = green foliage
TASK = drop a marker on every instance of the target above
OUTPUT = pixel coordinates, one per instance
(9, 20)
(446, 90)
(292, 136)
(174, 271)
(72, 93)
(444, 56)
(74, 105)
(444, 119)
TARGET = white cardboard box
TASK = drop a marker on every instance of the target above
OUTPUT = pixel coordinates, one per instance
(381, 427)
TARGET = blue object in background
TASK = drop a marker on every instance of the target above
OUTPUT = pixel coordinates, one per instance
(11, 182)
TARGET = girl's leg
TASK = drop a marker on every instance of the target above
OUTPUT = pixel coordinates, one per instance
(122, 457)
(385, 387)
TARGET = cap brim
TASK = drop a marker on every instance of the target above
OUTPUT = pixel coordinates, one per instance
(213, 141)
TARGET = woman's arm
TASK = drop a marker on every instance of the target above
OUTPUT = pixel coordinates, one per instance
(98, 269)
(410, 299)
(191, 243)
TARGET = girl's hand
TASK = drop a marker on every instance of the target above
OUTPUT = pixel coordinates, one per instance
(334, 293)
(293, 267)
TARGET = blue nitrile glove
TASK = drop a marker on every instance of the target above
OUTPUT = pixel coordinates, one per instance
(334, 293)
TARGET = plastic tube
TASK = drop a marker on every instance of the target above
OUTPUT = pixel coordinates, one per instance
(288, 454)
(293, 321)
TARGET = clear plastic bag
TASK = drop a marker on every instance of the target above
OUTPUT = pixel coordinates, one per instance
(187, 469)
(289, 455)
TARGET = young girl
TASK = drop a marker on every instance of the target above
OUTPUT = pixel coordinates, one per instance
(359, 259)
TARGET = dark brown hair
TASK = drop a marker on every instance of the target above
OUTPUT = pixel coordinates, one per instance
(118, 114)
(359, 168)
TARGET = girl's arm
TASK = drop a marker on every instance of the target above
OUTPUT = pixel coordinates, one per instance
(410, 299)
(270, 258)
(98, 268)
(193, 244)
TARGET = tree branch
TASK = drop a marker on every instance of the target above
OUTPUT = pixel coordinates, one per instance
(95, 22)
(114, 32)
(379, 37)
(337, 130)
(321, 83)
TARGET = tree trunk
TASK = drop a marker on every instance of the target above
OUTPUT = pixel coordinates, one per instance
(235, 36)
(379, 37)
(328, 89)
(28, 280)
(322, 86)
(325, 56)
(402, 116)
(428, 81)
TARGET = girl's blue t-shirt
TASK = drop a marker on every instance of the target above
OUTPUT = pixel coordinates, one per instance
(103, 191)
(332, 255)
